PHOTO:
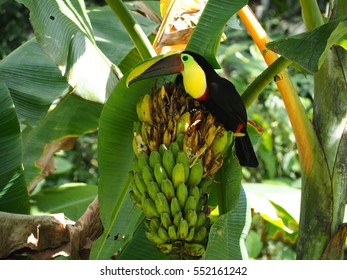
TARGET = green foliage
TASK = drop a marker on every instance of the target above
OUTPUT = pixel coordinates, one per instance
(42, 103)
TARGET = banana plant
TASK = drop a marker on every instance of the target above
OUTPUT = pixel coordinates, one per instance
(70, 80)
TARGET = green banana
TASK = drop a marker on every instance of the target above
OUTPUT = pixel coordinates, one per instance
(161, 203)
(152, 189)
(159, 173)
(162, 233)
(177, 218)
(172, 232)
(168, 161)
(140, 184)
(174, 147)
(136, 167)
(153, 236)
(182, 229)
(191, 217)
(200, 220)
(165, 248)
(182, 158)
(142, 160)
(194, 249)
(195, 174)
(200, 234)
(162, 149)
(220, 142)
(178, 174)
(194, 191)
(154, 157)
(147, 175)
(180, 140)
(167, 189)
(165, 220)
(154, 224)
(183, 123)
(136, 191)
(182, 194)
(149, 207)
(135, 199)
(206, 184)
(191, 203)
(174, 206)
(190, 235)
(202, 202)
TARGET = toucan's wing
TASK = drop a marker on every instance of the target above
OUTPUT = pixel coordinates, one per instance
(229, 109)
(226, 104)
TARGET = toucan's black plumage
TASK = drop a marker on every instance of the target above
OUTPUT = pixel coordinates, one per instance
(224, 102)
(218, 95)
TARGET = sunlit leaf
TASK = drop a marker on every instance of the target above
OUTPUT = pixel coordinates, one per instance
(64, 32)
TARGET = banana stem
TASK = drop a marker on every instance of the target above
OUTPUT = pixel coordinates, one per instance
(302, 128)
(134, 30)
(311, 14)
(261, 82)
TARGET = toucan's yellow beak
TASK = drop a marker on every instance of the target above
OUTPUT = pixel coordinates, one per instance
(158, 66)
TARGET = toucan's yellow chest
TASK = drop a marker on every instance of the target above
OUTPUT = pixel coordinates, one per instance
(194, 80)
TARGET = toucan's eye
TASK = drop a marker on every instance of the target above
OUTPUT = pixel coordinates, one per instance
(185, 58)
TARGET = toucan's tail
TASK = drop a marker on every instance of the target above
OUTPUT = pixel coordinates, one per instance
(245, 152)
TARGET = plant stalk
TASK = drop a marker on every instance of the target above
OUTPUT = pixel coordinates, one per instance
(311, 14)
(134, 30)
(261, 82)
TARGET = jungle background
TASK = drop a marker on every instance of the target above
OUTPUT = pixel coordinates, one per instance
(278, 177)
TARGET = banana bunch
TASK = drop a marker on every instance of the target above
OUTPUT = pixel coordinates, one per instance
(178, 148)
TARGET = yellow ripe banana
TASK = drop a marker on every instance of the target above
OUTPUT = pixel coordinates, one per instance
(146, 109)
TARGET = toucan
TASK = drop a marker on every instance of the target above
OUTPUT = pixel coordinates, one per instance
(216, 93)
